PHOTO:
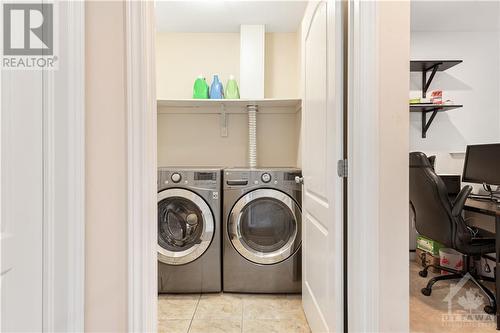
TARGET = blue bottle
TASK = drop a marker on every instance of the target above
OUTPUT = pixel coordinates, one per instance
(216, 89)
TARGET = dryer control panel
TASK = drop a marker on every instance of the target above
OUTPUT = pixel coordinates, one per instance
(278, 177)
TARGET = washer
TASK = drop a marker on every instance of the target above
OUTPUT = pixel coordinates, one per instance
(189, 245)
(262, 231)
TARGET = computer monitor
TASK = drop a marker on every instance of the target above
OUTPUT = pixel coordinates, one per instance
(482, 164)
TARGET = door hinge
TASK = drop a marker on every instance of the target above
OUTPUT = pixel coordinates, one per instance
(342, 168)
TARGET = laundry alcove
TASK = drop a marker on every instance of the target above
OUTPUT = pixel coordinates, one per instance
(215, 132)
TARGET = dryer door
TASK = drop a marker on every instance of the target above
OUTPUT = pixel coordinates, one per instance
(185, 226)
(264, 226)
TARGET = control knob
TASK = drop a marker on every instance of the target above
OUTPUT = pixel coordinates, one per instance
(266, 178)
(176, 177)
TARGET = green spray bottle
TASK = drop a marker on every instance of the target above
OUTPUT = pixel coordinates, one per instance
(200, 88)
(232, 91)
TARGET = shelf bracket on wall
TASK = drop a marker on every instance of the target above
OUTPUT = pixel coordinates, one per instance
(426, 124)
(426, 83)
(223, 121)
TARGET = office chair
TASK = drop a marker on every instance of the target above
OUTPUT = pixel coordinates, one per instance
(440, 219)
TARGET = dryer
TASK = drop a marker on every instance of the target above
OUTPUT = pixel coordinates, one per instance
(262, 230)
(189, 228)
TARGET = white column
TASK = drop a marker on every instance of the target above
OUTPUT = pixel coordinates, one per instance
(252, 46)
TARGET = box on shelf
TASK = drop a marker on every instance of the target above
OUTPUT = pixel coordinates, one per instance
(429, 245)
(424, 258)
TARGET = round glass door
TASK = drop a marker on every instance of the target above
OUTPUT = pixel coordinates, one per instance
(264, 226)
(185, 226)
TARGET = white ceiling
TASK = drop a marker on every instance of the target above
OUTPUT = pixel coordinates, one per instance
(226, 16)
(455, 15)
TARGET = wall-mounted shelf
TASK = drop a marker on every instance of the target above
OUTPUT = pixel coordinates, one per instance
(424, 109)
(433, 66)
(457, 153)
(223, 107)
(219, 106)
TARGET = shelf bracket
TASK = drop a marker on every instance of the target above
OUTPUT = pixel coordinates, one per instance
(426, 124)
(223, 121)
(426, 83)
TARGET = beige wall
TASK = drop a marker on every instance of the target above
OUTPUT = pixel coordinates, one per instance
(282, 65)
(181, 57)
(194, 140)
(394, 56)
(106, 172)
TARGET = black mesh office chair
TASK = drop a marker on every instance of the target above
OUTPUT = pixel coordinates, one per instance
(437, 218)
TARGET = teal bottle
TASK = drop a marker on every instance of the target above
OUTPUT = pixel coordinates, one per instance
(216, 89)
(232, 91)
(200, 88)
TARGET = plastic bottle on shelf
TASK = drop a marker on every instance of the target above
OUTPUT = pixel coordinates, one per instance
(200, 88)
(216, 89)
(232, 91)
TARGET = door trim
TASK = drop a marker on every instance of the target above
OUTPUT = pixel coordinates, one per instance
(363, 161)
(142, 169)
(64, 178)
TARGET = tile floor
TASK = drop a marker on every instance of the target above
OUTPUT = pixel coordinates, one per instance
(429, 314)
(228, 313)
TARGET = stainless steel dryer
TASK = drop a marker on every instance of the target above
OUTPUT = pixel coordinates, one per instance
(262, 231)
(189, 247)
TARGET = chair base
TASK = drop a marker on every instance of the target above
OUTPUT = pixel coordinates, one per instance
(457, 275)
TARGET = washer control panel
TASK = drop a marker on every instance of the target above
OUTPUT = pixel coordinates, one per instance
(183, 177)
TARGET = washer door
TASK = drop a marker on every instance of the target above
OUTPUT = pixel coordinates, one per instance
(185, 226)
(264, 226)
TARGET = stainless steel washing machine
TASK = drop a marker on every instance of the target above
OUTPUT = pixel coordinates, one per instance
(262, 231)
(189, 228)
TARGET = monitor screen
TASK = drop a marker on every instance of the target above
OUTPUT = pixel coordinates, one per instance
(482, 164)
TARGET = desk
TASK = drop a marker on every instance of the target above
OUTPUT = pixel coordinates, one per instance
(491, 209)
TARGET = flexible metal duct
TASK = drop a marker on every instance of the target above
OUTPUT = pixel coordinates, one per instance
(252, 135)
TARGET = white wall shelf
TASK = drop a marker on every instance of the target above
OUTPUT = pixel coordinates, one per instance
(219, 106)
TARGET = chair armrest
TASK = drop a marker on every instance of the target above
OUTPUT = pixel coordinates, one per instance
(458, 204)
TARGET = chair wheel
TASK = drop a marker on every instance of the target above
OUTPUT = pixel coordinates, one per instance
(489, 309)
(426, 291)
(422, 273)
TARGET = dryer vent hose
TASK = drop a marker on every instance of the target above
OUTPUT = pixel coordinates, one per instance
(252, 135)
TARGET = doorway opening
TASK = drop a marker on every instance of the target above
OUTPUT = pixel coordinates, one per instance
(455, 121)
(229, 124)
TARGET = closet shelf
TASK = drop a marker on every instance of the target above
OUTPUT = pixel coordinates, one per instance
(235, 106)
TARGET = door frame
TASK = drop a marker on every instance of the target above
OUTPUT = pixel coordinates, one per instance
(142, 168)
(63, 230)
(363, 186)
(364, 161)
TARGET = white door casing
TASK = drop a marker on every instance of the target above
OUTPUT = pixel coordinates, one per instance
(142, 166)
(322, 286)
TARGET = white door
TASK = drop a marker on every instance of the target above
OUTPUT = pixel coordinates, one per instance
(21, 203)
(322, 147)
